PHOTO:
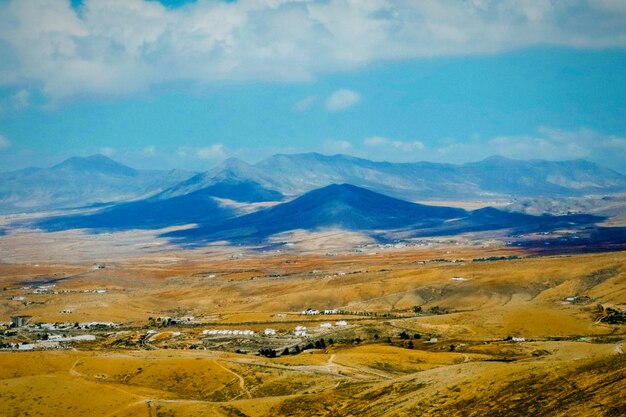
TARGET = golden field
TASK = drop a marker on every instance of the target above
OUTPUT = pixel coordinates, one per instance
(569, 362)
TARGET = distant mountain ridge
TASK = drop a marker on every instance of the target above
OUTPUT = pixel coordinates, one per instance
(99, 164)
(97, 179)
(78, 182)
(494, 177)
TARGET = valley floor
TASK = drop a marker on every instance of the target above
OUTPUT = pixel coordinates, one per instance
(458, 332)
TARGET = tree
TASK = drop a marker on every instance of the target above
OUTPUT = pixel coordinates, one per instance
(285, 352)
(267, 352)
(410, 344)
(417, 309)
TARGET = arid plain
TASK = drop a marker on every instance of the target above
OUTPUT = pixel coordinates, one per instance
(446, 329)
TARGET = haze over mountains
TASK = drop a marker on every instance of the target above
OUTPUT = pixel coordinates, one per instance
(494, 177)
(299, 192)
(79, 182)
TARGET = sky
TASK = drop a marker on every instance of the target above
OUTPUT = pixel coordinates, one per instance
(187, 84)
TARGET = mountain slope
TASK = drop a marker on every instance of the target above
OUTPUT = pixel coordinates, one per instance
(348, 207)
(95, 164)
(540, 177)
(79, 182)
(338, 206)
(144, 214)
(243, 191)
(494, 177)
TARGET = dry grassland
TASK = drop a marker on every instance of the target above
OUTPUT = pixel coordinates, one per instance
(569, 364)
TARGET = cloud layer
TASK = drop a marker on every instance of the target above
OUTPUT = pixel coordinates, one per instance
(125, 46)
(341, 100)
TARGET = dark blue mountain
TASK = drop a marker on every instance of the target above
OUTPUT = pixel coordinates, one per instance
(244, 191)
(353, 208)
(490, 218)
(196, 207)
(342, 206)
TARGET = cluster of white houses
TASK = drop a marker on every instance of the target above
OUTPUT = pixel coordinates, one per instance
(313, 312)
(337, 323)
(300, 331)
(225, 332)
(51, 341)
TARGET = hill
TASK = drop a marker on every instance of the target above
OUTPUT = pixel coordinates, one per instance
(241, 190)
(79, 182)
(196, 207)
(352, 208)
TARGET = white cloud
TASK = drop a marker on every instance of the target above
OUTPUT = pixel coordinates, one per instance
(304, 104)
(149, 150)
(108, 151)
(4, 142)
(215, 151)
(336, 146)
(396, 145)
(124, 46)
(15, 102)
(20, 100)
(341, 99)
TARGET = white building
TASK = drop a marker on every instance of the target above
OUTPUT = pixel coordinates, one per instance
(26, 346)
(300, 331)
(269, 332)
(341, 323)
(326, 325)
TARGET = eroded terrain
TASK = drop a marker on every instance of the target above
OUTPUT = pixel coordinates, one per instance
(445, 331)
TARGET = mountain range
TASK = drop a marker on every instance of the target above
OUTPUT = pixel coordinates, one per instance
(494, 177)
(79, 182)
(345, 207)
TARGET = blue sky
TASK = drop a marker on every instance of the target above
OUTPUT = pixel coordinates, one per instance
(191, 83)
